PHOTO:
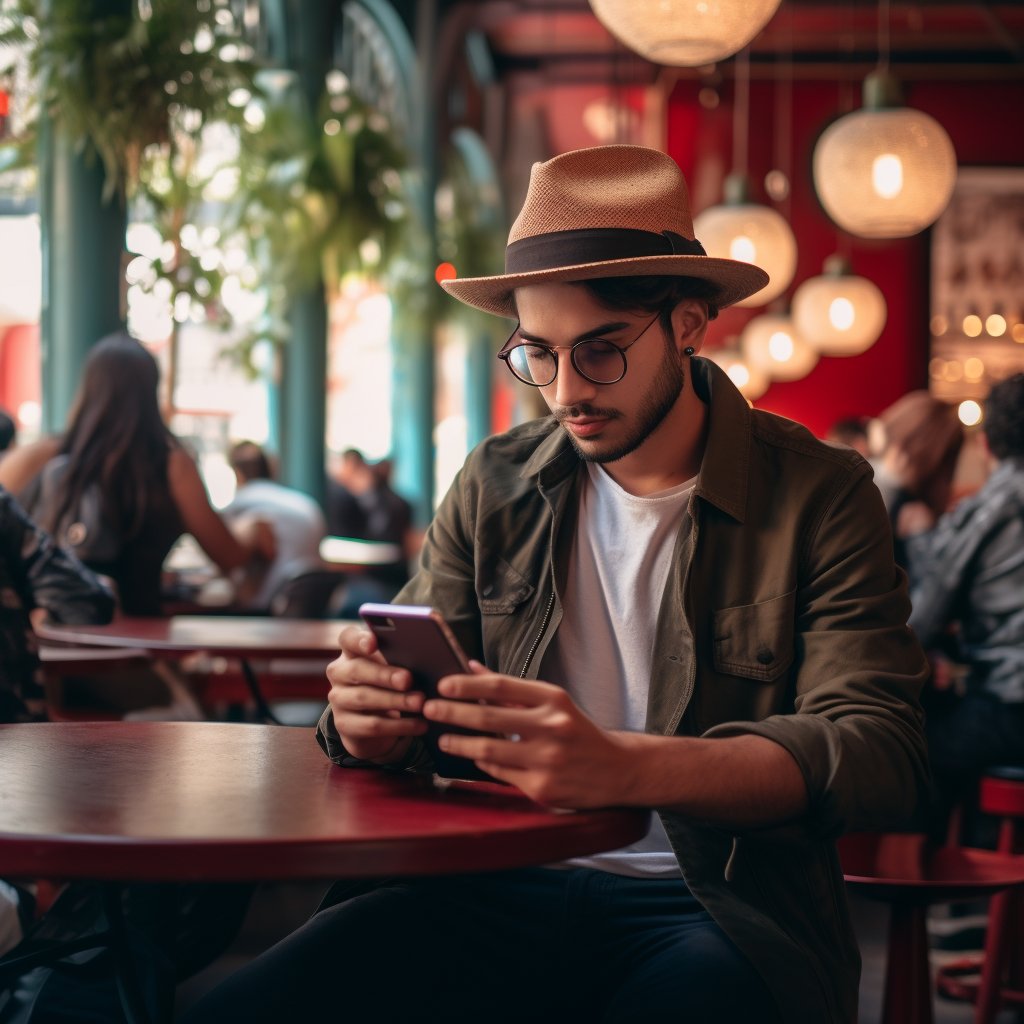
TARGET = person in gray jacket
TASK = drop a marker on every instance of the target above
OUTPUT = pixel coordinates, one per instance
(967, 589)
(682, 604)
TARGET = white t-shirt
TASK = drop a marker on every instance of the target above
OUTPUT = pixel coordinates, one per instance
(602, 652)
(298, 525)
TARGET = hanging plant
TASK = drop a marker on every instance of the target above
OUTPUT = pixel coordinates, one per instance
(116, 83)
(322, 195)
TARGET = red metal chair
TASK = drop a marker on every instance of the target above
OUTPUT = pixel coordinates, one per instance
(909, 874)
(997, 978)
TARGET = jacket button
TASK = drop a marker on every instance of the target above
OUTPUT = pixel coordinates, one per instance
(765, 656)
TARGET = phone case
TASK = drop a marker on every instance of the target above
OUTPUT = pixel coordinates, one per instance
(418, 638)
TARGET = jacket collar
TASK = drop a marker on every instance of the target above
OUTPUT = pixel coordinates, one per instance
(724, 469)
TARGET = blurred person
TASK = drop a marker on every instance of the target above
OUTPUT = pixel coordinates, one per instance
(296, 520)
(120, 488)
(8, 431)
(851, 431)
(919, 439)
(967, 588)
(38, 580)
(683, 604)
(364, 506)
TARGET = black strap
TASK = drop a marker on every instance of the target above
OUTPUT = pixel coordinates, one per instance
(594, 245)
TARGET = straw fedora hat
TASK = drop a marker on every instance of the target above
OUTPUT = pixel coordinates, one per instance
(610, 211)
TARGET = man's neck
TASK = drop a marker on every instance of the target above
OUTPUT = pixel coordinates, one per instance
(671, 455)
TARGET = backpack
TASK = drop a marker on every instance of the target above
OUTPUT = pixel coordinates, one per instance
(88, 530)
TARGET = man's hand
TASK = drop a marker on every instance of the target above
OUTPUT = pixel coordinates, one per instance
(543, 743)
(370, 700)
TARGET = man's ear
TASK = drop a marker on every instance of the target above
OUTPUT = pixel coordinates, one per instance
(689, 324)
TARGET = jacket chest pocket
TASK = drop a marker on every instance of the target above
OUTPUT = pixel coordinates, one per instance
(755, 641)
(501, 589)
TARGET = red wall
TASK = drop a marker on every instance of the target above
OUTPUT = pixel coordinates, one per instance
(983, 122)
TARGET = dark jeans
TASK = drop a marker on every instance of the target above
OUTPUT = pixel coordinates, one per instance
(529, 945)
(966, 736)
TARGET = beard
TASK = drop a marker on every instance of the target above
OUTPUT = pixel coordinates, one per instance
(670, 380)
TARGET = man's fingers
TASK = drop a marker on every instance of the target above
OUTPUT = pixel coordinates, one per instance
(374, 699)
(499, 689)
(493, 750)
(357, 726)
(481, 717)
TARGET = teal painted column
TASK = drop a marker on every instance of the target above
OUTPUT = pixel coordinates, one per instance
(82, 240)
(480, 361)
(303, 384)
(412, 341)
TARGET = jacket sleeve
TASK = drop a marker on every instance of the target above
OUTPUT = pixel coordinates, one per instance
(857, 732)
(54, 579)
(444, 580)
(938, 562)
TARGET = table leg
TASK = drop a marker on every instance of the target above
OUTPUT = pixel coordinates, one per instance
(262, 707)
(908, 993)
(133, 1002)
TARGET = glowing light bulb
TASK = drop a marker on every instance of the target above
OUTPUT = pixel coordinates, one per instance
(887, 175)
(841, 313)
(739, 375)
(972, 325)
(743, 248)
(995, 325)
(969, 412)
(780, 347)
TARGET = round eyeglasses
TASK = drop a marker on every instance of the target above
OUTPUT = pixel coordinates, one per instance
(594, 359)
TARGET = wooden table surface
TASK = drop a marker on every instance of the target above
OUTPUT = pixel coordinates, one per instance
(241, 636)
(189, 801)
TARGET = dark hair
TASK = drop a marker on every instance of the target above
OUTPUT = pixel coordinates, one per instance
(929, 433)
(849, 429)
(115, 436)
(647, 294)
(1004, 417)
(250, 461)
(8, 430)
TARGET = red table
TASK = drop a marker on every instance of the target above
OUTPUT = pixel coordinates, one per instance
(189, 801)
(243, 637)
(909, 874)
(232, 636)
(199, 801)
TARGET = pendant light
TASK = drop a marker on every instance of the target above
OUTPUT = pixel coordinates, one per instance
(839, 313)
(751, 381)
(886, 171)
(684, 33)
(740, 229)
(771, 344)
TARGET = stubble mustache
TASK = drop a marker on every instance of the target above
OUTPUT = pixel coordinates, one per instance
(575, 412)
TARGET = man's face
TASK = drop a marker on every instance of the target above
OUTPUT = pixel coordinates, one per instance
(604, 422)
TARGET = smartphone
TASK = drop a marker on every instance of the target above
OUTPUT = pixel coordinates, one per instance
(417, 638)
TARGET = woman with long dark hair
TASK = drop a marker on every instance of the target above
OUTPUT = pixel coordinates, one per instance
(119, 488)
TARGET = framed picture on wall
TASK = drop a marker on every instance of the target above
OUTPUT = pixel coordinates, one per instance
(977, 284)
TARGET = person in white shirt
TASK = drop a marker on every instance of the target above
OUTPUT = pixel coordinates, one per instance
(296, 519)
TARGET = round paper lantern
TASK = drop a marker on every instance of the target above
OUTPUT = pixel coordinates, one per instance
(839, 313)
(684, 33)
(885, 171)
(751, 381)
(741, 230)
(770, 343)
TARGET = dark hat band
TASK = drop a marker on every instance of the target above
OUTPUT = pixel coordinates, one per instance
(594, 245)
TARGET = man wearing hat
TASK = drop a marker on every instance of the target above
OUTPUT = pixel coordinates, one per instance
(682, 604)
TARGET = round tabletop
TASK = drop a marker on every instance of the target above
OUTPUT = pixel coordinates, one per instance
(906, 868)
(243, 635)
(201, 801)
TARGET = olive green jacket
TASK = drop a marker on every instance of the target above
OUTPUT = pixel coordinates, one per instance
(784, 616)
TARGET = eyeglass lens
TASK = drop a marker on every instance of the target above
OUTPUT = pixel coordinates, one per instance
(598, 361)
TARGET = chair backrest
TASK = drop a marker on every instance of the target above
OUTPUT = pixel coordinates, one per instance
(307, 596)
